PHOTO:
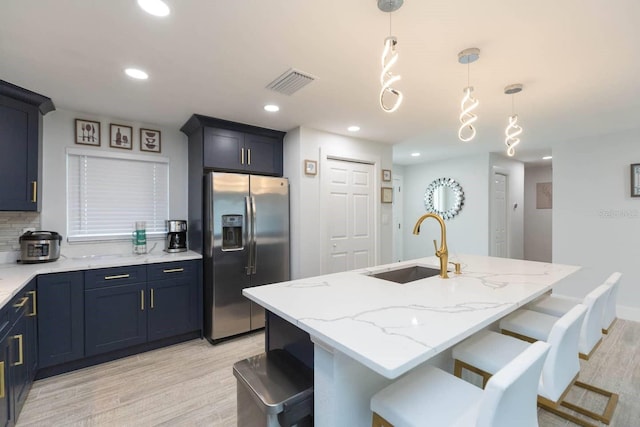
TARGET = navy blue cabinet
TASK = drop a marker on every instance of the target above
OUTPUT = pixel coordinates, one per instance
(115, 304)
(173, 297)
(234, 147)
(21, 114)
(60, 318)
(126, 306)
(18, 343)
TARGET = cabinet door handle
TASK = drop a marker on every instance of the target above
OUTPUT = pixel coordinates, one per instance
(1, 380)
(117, 276)
(173, 270)
(34, 191)
(142, 300)
(22, 302)
(20, 354)
(249, 156)
(34, 306)
(242, 156)
(151, 297)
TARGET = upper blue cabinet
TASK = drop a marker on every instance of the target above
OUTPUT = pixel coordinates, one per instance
(21, 114)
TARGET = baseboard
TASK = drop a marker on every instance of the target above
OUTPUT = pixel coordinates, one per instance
(628, 313)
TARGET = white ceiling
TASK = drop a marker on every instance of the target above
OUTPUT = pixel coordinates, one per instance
(579, 61)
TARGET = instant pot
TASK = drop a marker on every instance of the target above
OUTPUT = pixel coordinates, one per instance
(39, 246)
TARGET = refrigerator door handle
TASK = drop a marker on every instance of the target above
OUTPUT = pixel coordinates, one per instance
(208, 200)
(249, 230)
(254, 244)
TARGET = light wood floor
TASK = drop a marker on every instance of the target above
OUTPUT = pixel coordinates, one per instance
(192, 384)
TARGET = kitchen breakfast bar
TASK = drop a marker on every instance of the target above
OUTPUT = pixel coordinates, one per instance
(368, 331)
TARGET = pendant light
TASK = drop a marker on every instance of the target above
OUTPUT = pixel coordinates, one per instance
(467, 131)
(389, 58)
(513, 130)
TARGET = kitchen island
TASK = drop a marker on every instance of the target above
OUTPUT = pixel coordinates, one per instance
(368, 331)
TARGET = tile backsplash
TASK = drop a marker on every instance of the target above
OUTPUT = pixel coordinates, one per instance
(11, 226)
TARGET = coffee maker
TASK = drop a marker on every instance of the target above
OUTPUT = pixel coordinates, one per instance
(176, 236)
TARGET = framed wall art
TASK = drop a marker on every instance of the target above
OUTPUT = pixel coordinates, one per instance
(544, 195)
(310, 167)
(386, 175)
(120, 136)
(150, 140)
(87, 132)
(635, 180)
(386, 195)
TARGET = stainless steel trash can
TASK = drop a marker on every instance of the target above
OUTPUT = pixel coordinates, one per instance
(274, 389)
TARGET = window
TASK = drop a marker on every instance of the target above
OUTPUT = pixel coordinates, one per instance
(108, 192)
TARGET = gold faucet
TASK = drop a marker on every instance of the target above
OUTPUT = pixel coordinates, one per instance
(443, 252)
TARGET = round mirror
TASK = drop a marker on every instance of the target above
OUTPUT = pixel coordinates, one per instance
(445, 197)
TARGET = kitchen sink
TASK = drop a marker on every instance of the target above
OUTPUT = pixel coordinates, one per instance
(407, 274)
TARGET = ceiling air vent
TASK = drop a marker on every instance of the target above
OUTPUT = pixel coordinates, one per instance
(291, 81)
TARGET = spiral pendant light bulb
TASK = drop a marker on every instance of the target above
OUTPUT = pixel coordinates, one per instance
(389, 58)
(512, 132)
(467, 131)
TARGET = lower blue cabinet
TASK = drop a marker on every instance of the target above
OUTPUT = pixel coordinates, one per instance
(126, 306)
(18, 344)
(60, 318)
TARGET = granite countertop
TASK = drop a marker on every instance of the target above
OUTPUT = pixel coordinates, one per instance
(15, 275)
(390, 327)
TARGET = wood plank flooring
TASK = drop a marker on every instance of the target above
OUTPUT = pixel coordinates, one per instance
(192, 384)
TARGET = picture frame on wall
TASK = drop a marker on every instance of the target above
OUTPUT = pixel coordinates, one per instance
(120, 136)
(635, 180)
(386, 195)
(310, 167)
(150, 140)
(386, 175)
(87, 132)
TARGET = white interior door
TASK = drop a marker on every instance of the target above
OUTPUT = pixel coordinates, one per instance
(349, 191)
(398, 209)
(499, 226)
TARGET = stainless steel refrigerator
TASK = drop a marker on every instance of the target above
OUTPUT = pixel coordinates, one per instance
(246, 243)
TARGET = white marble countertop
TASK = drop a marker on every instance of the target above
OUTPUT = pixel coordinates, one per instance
(15, 275)
(390, 327)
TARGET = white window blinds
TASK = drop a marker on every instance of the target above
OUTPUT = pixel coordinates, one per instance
(108, 192)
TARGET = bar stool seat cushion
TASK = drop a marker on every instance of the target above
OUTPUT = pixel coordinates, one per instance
(554, 305)
(489, 351)
(529, 323)
(407, 400)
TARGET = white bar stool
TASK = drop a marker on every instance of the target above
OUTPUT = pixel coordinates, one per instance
(428, 396)
(609, 316)
(484, 353)
(591, 332)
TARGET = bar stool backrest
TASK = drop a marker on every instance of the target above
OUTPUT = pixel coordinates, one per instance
(609, 314)
(591, 332)
(562, 364)
(509, 399)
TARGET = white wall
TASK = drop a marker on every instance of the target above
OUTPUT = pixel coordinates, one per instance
(537, 222)
(515, 203)
(468, 232)
(596, 224)
(58, 134)
(306, 204)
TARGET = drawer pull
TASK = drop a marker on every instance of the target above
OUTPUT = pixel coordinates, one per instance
(20, 353)
(1, 380)
(117, 276)
(142, 300)
(34, 191)
(173, 270)
(22, 302)
(151, 297)
(34, 306)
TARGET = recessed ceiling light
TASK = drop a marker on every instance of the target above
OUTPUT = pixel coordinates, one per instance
(154, 7)
(353, 128)
(415, 154)
(136, 73)
(271, 108)
(547, 158)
